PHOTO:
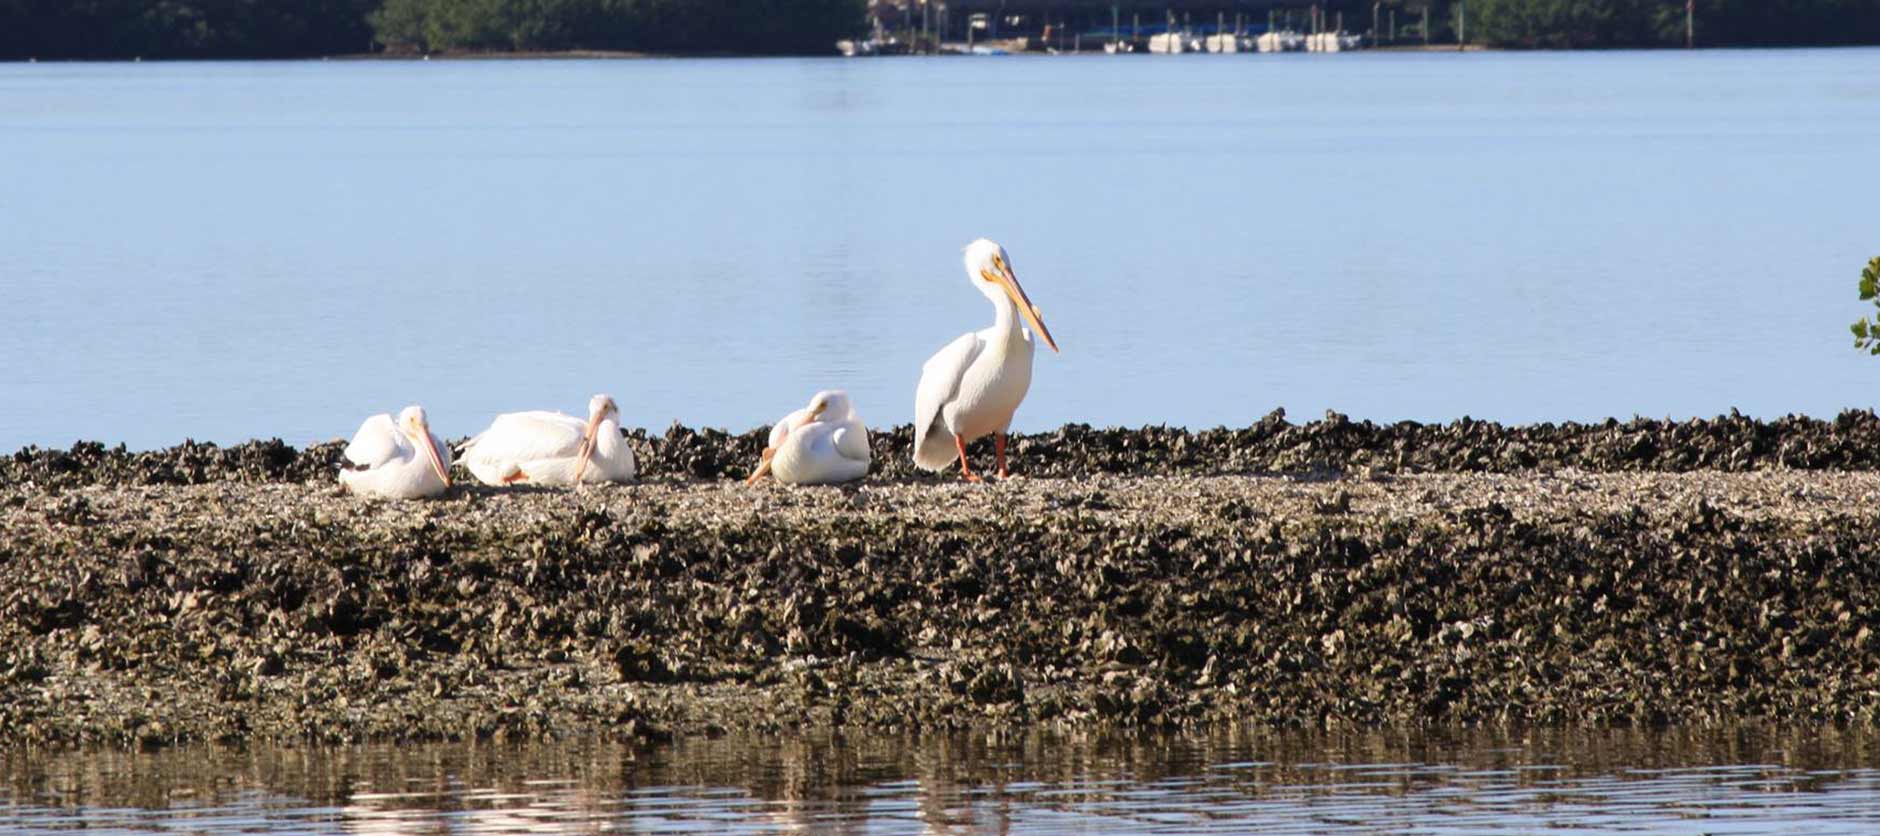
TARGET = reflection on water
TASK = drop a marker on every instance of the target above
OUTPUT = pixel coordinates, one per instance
(1749, 779)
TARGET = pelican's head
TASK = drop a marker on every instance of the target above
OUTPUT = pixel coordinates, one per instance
(600, 408)
(414, 422)
(991, 272)
(829, 403)
(417, 427)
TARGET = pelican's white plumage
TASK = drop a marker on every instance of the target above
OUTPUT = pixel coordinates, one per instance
(552, 448)
(397, 459)
(820, 444)
(973, 386)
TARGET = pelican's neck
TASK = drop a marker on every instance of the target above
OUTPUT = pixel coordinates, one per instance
(607, 437)
(1005, 315)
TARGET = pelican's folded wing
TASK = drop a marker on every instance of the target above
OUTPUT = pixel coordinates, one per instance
(378, 441)
(852, 441)
(528, 436)
(781, 430)
(940, 378)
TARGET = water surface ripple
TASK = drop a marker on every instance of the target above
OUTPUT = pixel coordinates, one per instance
(1733, 780)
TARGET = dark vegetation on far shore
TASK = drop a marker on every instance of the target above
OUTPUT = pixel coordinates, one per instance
(112, 29)
(108, 29)
(747, 27)
(1577, 24)
(117, 29)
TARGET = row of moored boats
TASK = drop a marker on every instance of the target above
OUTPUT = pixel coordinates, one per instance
(1169, 43)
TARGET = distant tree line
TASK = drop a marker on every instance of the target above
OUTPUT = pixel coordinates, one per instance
(54, 29)
(724, 26)
(1567, 24)
(182, 28)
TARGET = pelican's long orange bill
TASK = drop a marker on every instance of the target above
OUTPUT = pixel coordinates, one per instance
(587, 446)
(763, 466)
(1009, 282)
(437, 461)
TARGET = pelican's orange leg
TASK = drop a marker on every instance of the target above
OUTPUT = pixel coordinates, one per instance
(998, 443)
(965, 470)
(515, 477)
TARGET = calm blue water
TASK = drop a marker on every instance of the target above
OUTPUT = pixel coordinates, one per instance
(1724, 780)
(224, 251)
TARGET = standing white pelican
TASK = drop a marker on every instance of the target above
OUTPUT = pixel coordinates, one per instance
(973, 386)
(552, 448)
(820, 444)
(397, 459)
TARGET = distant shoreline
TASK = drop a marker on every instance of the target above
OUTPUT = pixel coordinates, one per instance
(506, 55)
(454, 55)
(629, 55)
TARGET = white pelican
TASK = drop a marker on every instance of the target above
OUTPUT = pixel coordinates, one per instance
(397, 459)
(552, 448)
(973, 386)
(820, 444)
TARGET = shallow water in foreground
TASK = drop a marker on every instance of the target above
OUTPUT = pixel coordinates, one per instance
(1737, 780)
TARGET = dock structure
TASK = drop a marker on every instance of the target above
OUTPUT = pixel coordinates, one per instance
(1121, 26)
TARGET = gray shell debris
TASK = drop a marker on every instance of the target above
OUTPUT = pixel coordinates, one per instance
(1634, 573)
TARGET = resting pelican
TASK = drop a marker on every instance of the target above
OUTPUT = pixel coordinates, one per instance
(400, 460)
(552, 448)
(973, 386)
(820, 444)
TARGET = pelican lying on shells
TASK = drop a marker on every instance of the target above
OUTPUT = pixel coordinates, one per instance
(552, 448)
(973, 386)
(820, 444)
(397, 459)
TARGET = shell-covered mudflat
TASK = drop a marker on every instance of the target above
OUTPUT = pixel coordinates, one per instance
(293, 611)
(202, 593)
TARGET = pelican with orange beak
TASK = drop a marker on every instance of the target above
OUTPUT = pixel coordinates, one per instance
(974, 385)
(821, 444)
(397, 459)
(552, 448)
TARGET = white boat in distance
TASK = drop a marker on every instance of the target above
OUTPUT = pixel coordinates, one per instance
(1333, 42)
(1227, 42)
(1168, 43)
(1284, 40)
(1174, 43)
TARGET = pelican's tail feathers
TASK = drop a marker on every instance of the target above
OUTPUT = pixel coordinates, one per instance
(466, 446)
(934, 450)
